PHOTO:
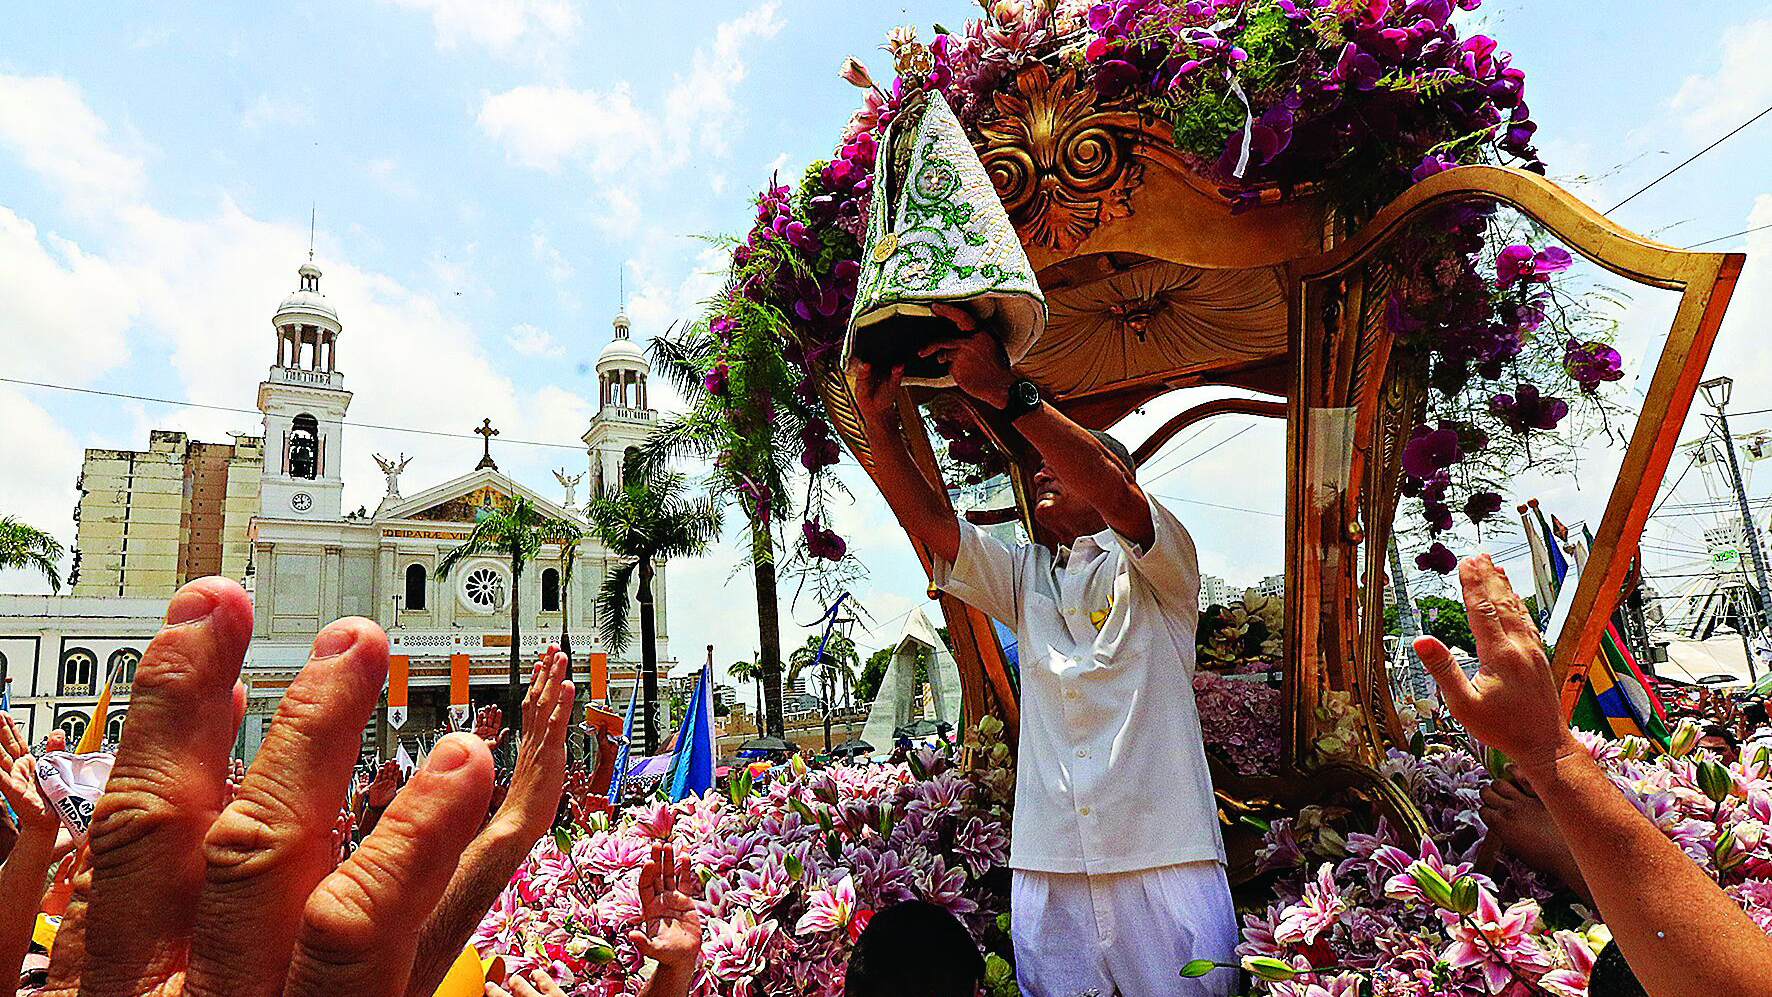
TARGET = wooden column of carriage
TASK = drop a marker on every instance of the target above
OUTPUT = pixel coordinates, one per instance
(1154, 285)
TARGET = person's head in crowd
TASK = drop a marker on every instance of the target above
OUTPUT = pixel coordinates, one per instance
(1612, 976)
(1754, 714)
(914, 949)
(1065, 514)
(1722, 741)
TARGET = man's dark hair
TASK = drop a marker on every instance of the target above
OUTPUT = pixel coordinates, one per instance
(1118, 449)
(914, 949)
(1728, 736)
(1754, 713)
(1612, 976)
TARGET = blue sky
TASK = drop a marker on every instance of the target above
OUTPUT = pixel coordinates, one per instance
(484, 171)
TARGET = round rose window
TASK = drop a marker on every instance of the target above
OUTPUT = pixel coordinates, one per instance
(484, 588)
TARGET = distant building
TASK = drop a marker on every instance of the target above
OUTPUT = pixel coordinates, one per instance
(1274, 585)
(1215, 591)
(151, 520)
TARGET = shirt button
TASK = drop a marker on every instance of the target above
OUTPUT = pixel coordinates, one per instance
(1070, 694)
(1082, 752)
(1084, 811)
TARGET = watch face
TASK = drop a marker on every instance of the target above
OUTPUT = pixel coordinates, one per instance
(301, 501)
(1026, 393)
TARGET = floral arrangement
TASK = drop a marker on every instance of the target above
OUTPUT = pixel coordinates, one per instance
(1367, 913)
(1248, 630)
(1351, 100)
(790, 873)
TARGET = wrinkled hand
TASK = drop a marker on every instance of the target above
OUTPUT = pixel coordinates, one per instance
(1512, 704)
(670, 929)
(540, 774)
(236, 776)
(385, 785)
(489, 726)
(187, 895)
(18, 782)
(976, 360)
(537, 984)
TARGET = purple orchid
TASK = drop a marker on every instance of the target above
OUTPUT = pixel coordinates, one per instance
(1438, 559)
(1526, 409)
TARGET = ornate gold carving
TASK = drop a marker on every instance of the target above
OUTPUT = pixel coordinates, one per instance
(1061, 165)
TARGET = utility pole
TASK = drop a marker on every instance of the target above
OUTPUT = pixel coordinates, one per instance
(1717, 391)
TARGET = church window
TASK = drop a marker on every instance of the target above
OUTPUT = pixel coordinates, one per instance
(114, 727)
(121, 668)
(550, 591)
(484, 588)
(78, 664)
(304, 447)
(415, 586)
(73, 725)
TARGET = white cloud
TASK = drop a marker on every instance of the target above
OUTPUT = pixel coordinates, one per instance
(42, 462)
(616, 211)
(46, 122)
(67, 312)
(1707, 106)
(386, 173)
(267, 111)
(505, 28)
(607, 133)
(529, 341)
(554, 263)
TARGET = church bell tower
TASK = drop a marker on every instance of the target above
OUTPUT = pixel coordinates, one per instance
(304, 402)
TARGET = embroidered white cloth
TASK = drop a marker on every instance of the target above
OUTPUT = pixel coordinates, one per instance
(1125, 933)
(1112, 771)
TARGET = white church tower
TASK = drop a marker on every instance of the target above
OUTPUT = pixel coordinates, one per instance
(304, 402)
(624, 416)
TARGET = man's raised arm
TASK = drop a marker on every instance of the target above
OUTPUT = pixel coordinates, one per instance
(918, 506)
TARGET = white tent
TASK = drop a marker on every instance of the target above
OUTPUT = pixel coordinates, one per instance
(892, 707)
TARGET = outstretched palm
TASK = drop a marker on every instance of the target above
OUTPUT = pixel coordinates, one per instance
(670, 921)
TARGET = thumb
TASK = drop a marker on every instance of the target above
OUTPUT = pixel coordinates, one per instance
(642, 944)
(1453, 683)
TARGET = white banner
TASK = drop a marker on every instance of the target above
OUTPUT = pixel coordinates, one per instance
(396, 717)
(461, 717)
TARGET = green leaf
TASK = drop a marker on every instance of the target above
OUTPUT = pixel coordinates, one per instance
(1257, 823)
(794, 867)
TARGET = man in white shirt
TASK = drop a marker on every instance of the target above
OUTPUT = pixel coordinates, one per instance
(1118, 864)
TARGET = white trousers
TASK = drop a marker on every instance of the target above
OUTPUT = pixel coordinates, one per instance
(1129, 933)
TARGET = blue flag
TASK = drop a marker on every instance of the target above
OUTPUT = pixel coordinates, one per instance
(621, 758)
(692, 764)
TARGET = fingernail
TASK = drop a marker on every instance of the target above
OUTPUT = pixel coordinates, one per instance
(447, 756)
(188, 606)
(334, 641)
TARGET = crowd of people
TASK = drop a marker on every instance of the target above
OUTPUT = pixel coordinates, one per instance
(299, 875)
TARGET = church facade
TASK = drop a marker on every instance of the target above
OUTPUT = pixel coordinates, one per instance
(306, 561)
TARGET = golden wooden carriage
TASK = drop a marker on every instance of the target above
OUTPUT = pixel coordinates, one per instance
(1154, 285)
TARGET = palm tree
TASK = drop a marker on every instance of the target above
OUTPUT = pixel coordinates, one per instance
(750, 671)
(24, 546)
(569, 541)
(838, 669)
(644, 521)
(516, 532)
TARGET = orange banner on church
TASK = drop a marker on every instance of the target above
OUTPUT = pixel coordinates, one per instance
(458, 680)
(397, 679)
(599, 669)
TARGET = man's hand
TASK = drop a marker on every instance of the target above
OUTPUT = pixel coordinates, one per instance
(18, 783)
(537, 984)
(876, 390)
(977, 361)
(1512, 703)
(489, 727)
(670, 929)
(540, 776)
(387, 783)
(188, 896)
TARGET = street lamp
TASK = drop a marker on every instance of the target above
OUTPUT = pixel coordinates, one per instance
(1717, 391)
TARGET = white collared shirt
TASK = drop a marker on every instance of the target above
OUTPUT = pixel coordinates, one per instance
(1111, 772)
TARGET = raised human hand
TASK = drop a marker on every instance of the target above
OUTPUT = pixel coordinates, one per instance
(875, 389)
(383, 787)
(1511, 705)
(540, 773)
(670, 923)
(537, 983)
(975, 358)
(489, 727)
(191, 896)
(18, 783)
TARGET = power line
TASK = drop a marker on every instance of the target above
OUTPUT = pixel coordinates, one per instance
(1202, 453)
(1227, 508)
(1720, 238)
(253, 411)
(1690, 158)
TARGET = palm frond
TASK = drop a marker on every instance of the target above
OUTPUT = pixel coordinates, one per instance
(612, 607)
(680, 359)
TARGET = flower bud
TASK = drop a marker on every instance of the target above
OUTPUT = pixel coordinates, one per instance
(1761, 761)
(1633, 747)
(856, 74)
(797, 765)
(1495, 762)
(596, 951)
(1728, 852)
(1715, 781)
(1264, 968)
(1684, 738)
(1432, 884)
(1197, 968)
(1464, 895)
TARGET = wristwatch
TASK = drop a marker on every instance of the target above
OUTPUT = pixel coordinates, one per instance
(1024, 397)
